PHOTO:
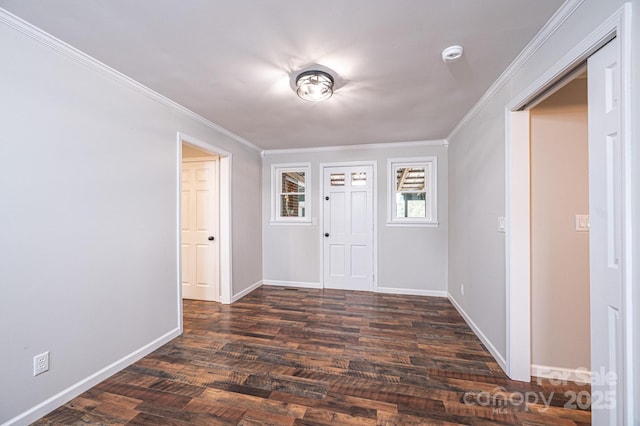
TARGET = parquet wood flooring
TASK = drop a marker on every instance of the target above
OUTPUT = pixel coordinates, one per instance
(284, 356)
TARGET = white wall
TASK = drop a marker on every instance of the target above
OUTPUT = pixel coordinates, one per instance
(560, 327)
(88, 174)
(476, 200)
(635, 208)
(477, 178)
(412, 259)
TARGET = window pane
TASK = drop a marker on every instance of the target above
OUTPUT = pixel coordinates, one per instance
(337, 179)
(412, 199)
(292, 205)
(292, 182)
(410, 179)
(411, 205)
(358, 178)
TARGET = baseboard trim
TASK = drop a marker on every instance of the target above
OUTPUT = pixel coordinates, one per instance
(412, 291)
(492, 349)
(562, 375)
(292, 284)
(246, 291)
(73, 391)
(387, 290)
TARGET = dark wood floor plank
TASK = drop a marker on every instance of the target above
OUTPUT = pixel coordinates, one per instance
(221, 411)
(356, 407)
(251, 402)
(283, 356)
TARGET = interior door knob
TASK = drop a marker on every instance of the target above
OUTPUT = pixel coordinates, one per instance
(326, 234)
(211, 238)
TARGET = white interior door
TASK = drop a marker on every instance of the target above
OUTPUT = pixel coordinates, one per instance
(605, 210)
(348, 227)
(200, 258)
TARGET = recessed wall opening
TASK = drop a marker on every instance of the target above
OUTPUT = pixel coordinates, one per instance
(204, 221)
(200, 225)
(607, 54)
(560, 309)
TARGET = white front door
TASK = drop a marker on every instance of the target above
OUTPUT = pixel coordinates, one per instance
(348, 227)
(200, 259)
(606, 169)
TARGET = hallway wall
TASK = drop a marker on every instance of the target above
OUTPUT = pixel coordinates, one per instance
(560, 326)
(88, 246)
(410, 259)
(477, 179)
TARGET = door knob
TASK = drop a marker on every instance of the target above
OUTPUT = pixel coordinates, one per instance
(326, 198)
(211, 238)
(326, 234)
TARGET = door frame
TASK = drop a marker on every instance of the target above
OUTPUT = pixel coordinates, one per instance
(374, 197)
(224, 182)
(518, 196)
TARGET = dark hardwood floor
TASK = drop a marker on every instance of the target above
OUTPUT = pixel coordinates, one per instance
(307, 357)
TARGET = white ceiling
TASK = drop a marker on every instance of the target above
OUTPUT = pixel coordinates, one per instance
(231, 61)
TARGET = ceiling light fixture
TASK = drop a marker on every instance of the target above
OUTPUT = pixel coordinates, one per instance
(314, 85)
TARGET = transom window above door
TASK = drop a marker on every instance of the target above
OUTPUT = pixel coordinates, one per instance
(290, 189)
(412, 192)
(357, 179)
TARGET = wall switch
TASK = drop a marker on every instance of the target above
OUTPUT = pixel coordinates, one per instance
(582, 223)
(501, 224)
(461, 289)
(41, 363)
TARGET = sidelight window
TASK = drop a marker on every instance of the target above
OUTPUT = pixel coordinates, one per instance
(412, 191)
(290, 193)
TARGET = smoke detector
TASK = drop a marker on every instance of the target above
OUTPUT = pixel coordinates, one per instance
(452, 53)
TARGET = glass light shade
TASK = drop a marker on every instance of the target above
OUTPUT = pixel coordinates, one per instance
(314, 85)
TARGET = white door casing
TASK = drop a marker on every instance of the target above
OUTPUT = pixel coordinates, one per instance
(199, 228)
(348, 227)
(606, 174)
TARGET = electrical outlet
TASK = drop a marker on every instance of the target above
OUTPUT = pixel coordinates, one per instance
(41, 363)
(462, 289)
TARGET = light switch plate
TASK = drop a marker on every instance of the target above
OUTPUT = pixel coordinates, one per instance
(582, 223)
(501, 224)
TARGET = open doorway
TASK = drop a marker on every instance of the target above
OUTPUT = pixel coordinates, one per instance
(204, 172)
(560, 308)
(200, 225)
(607, 53)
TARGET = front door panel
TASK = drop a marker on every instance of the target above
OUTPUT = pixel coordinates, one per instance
(348, 227)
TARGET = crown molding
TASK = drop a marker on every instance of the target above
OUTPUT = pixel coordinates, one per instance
(60, 46)
(387, 145)
(562, 14)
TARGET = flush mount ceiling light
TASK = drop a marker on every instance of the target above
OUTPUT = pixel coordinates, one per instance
(452, 53)
(314, 85)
